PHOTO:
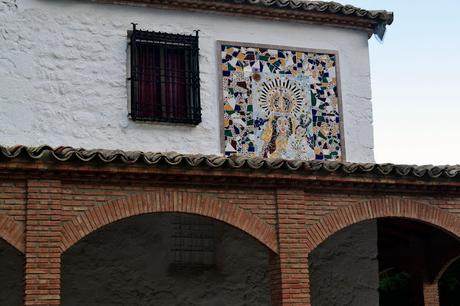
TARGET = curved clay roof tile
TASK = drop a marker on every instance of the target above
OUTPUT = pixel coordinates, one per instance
(69, 154)
(322, 12)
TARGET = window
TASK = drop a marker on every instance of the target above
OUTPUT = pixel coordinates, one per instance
(164, 80)
(194, 243)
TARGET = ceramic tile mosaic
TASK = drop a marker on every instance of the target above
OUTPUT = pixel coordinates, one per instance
(280, 104)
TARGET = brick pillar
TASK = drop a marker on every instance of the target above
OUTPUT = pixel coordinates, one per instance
(431, 294)
(289, 270)
(43, 256)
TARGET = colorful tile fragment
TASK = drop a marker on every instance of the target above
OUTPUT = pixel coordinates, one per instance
(280, 104)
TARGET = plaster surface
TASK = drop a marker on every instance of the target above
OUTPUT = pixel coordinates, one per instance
(344, 268)
(128, 263)
(11, 275)
(63, 71)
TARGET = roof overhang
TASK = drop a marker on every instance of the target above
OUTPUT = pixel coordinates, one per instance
(304, 11)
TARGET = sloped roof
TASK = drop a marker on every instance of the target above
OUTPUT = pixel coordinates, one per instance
(323, 7)
(69, 154)
(320, 12)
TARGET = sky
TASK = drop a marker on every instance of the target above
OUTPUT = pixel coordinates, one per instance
(416, 83)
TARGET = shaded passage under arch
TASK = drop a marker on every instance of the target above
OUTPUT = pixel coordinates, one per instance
(381, 208)
(11, 275)
(166, 259)
(449, 285)
(408, 254)
(419, 249)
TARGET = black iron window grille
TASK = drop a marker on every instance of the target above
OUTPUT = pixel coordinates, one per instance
(164, 80)
(194, 243)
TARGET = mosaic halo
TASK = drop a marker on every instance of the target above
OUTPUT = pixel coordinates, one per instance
(280, 97)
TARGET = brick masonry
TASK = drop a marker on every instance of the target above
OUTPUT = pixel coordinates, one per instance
(431, 294)
(48, 207)
(43, 237)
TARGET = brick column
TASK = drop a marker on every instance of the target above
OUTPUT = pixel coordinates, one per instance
(431, 294)
(43, 256)
(289, 270)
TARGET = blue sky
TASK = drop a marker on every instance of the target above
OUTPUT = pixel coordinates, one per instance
(415, 82)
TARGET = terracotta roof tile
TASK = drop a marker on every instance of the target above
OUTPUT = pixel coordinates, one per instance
(69, 154)
(324, 7)
(320, 12)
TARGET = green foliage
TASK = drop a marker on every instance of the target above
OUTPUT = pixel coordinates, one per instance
(394, 288)
(449, 286)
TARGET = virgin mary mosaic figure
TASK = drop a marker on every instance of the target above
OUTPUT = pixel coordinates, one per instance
(282, 105)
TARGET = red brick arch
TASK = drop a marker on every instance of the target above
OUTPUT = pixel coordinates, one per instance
(163, 201)
(12, 232)
(382, 208)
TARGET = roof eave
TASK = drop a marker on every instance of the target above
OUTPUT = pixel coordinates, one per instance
(348, 17)
(152, 159)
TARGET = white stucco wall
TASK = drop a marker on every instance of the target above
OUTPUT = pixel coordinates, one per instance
(63, 75)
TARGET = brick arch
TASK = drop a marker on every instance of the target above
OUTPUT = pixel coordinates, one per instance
(164, 202)
(382, 208)
(12, 232)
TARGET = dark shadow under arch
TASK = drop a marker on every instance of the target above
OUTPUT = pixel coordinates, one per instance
(131, 262)
(449, 284)
(381, 208)
(11, 275)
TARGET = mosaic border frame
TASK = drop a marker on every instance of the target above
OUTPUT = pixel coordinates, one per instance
(220, 43)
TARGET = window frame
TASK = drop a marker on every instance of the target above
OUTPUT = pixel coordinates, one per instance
(162, 42)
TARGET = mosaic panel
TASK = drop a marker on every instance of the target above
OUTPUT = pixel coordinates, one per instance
(280, 103)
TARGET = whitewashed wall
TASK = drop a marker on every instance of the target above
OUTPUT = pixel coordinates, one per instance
(63, 75)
